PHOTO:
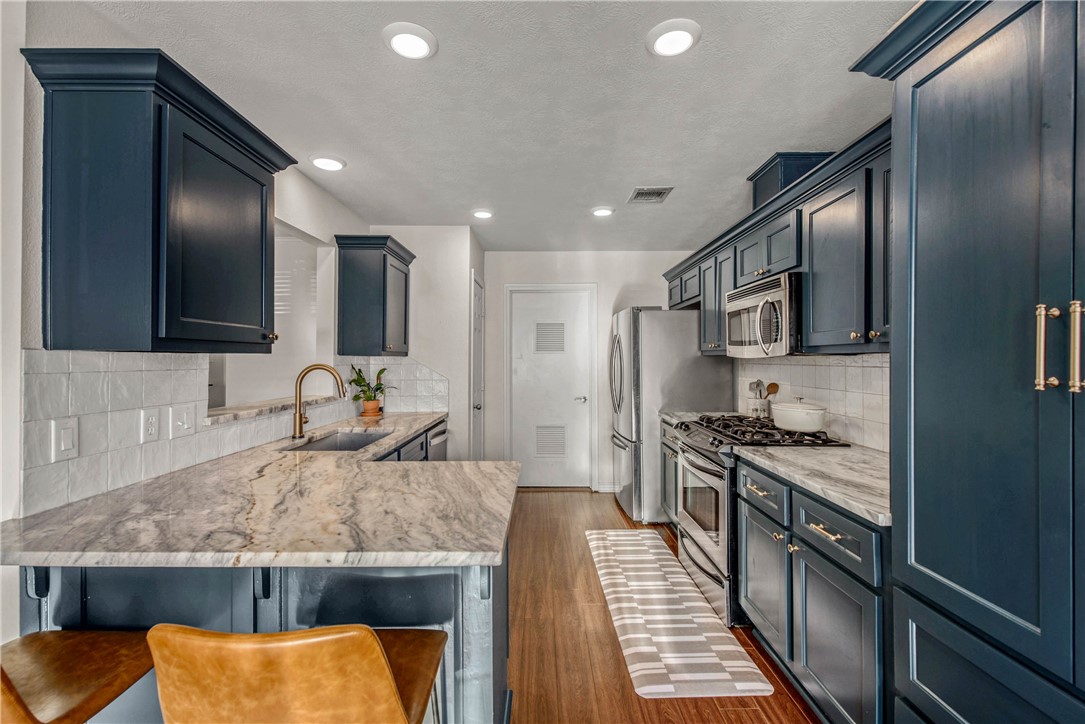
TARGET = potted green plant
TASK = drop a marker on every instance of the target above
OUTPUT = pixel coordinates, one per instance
(370, 393)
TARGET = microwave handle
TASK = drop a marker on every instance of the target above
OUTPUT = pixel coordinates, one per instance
(757, 325)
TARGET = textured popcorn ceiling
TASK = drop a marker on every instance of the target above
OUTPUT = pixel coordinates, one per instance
(539, 111)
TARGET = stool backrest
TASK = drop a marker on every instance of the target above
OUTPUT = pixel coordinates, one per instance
(332, 674)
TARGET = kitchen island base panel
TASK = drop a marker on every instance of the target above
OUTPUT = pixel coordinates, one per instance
(469, 603)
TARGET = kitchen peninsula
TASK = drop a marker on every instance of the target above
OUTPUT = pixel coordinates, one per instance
(273, 539)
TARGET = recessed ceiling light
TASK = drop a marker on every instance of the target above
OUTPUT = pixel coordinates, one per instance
(483, 214)
(409, 40)
(673, 37)
(602, 211)
(328, 163)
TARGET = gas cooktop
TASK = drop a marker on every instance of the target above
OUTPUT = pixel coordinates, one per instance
(713, 433)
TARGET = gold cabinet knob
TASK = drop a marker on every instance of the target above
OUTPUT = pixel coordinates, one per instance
(873, 334)
(855, 336)
(272, 337)
(792, 548)
(389, 347)
(777, 536)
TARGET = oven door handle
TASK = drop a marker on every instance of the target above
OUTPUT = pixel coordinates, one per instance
(718, 473)
(702, 569)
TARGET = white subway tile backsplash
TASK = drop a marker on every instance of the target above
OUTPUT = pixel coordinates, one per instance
(88, 476)
(89, 392)
(156, 459)
(853, 388)
(125, 390)
(45, 487)
(183, 452)
(125, 361)
(105, 392)
(158, 361)
(45, 396)
(93, 433)
(90, 361)
(157, 388)
(184, 385)
(124, 428)
(125, 466)
(37, 443)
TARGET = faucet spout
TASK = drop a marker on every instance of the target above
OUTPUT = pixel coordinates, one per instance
(299, 417)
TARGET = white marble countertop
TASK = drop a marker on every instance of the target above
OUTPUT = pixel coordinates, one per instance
(855, 478)
(273, 507)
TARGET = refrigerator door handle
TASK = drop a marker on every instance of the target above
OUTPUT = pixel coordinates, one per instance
(613, 395)
(621, 374)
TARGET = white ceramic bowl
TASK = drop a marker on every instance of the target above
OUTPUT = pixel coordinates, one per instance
(798, 416)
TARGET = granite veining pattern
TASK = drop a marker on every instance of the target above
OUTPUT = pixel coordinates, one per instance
(270, 506)
(855, 478)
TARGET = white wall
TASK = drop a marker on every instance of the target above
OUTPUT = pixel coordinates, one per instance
(440, 314)
(622, 279)
(12, 72)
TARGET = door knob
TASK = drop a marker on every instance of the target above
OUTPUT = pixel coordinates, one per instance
(478, 406)
(580, 399)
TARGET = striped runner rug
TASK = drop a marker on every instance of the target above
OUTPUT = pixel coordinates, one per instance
(673, 642)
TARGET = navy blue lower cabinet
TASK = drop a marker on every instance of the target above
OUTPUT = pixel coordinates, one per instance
(765, 577)
(836, 639)
(951, 675)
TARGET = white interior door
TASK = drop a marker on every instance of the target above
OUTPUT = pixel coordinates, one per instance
(478, 306)
(550, 359)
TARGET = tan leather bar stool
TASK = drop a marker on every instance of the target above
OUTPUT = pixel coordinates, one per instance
(68, 676)
(334, 674)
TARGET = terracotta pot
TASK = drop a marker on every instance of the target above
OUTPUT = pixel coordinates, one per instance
(371, 408)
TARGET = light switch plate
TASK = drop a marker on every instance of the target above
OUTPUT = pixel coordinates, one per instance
(65, 438)
(150, 423)
(182, 420)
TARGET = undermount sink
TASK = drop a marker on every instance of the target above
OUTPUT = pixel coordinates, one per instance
(341, 442)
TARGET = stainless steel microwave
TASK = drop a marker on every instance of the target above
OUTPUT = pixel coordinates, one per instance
(762, 318)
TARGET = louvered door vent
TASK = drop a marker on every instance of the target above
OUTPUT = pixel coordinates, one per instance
(550, 441)
(549, 337)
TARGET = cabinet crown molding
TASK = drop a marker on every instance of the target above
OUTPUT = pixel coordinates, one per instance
(150, 69)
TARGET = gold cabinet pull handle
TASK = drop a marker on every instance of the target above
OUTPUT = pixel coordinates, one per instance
(1042, 381)
(1076, 382)
(777, 536)
(759, 492)
(822, 530)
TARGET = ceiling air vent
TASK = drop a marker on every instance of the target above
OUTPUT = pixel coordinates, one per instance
(650, 194)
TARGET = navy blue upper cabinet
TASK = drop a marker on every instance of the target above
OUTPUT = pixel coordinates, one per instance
(771, 249)
(373, 296)
(834, 290)
(982, 467)
(158, 208)
(717, 278)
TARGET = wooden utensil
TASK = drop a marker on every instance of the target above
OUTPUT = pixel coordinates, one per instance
(772, 389)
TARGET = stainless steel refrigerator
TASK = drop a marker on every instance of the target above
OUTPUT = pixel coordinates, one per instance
(656, 364)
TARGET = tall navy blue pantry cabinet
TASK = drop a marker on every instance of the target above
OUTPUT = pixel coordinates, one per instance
(988, 484)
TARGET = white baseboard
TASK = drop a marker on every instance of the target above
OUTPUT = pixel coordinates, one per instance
(606, 487)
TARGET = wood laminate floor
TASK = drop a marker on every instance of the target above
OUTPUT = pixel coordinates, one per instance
(565, 665)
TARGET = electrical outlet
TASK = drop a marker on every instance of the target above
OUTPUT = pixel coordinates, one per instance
(65, 438)
(149, 423)
(183, 420)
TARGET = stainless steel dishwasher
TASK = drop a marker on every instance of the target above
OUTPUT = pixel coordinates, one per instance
(437, 442)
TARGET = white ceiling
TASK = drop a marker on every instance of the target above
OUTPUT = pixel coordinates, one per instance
(537, 110)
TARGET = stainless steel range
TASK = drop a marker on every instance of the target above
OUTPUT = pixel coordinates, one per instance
(706, 516)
